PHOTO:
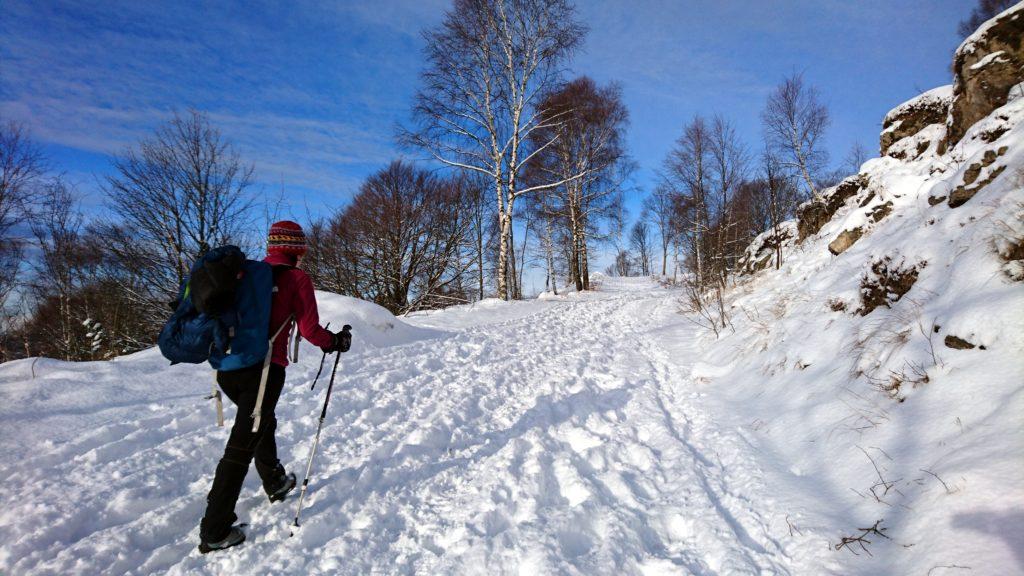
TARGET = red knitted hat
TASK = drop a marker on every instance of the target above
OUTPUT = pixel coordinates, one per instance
(286, 237)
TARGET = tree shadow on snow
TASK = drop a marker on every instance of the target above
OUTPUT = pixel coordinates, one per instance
(1008, 525)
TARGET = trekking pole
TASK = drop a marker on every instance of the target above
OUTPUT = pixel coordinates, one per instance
(321, 368)
(316, 441)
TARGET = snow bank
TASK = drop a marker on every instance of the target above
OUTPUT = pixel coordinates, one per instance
(482, 313)
(907, 415)
(373, 326)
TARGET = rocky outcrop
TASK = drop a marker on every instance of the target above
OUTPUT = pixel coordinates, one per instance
(760, 254)
(848, 237)
(971, 186)
(912, 116)
(814, 214)
(988, 75)
(987, 65)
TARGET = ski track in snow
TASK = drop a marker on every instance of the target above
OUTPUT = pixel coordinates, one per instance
(567, 441)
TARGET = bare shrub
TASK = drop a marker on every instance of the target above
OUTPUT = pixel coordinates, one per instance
(1009, 244)
(836, 304)
(705, 306)
(886, 283)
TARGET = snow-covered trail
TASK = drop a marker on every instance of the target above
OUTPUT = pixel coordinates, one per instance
(572, 440)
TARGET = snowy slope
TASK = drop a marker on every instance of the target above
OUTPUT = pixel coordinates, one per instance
(563, 441)
(886, 416)
(598, 435)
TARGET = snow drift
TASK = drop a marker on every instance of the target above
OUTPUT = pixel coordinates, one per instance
(377, 328)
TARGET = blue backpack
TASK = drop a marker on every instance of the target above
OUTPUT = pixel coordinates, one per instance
(223, 317)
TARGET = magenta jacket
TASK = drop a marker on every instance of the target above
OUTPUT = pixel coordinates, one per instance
(294, 296)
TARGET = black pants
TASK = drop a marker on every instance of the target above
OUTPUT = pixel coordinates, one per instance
(242, 386)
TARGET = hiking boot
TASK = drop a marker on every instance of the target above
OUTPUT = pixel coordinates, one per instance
(234, 538)
(285, 485)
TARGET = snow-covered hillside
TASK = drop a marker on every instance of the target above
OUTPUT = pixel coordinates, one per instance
(593, 434)
(862, 414)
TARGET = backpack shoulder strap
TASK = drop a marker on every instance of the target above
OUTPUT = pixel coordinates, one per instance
(266, 374)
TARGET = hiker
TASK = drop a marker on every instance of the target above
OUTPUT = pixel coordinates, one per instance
(292, 300)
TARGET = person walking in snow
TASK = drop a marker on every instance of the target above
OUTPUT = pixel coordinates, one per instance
(293, 298)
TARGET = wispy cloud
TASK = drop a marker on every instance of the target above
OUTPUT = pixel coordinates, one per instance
(309, 95)
(310, 92)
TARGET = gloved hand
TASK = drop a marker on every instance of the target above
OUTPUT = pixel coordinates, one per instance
(344, 339)
(341, 341)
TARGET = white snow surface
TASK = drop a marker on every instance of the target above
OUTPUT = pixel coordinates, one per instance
(936, 96)
(590, 433)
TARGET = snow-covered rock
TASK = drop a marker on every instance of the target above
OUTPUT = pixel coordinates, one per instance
(987, 65)
(762, 250)
(909, 118)
(815, 213)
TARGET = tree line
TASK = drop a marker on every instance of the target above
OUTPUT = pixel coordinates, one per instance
(524, 167)
(715, 194)
(83, 289)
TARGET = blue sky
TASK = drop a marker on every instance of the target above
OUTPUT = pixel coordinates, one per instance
(311, 92)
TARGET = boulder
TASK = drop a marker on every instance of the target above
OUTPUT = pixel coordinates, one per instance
(986, 66)
(912, 116)
(957, 343)
(845, 239)
(880, 211)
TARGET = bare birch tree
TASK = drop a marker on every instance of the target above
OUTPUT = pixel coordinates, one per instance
(794, 124)
(687, 171)
(728, 167)
(658, 208)
(478, 237)
(58, 272)
(488, 64)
